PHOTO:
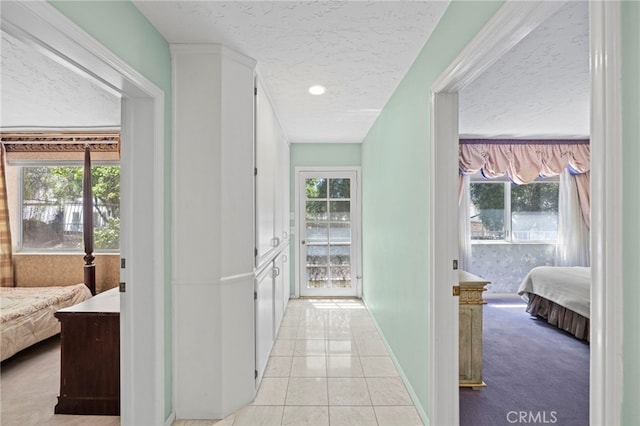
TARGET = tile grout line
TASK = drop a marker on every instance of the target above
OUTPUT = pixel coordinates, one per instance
(327, 356)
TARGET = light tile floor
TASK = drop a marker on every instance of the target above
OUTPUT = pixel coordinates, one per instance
(328, 366)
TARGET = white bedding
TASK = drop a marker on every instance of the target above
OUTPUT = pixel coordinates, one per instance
(26, 314)
(567, 286)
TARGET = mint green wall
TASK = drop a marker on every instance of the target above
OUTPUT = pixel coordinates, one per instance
(120, 27)
(317, 155)
(631, 209)
(395, 167)
(325, 154)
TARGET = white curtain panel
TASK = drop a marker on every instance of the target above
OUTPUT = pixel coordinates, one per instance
(573, 245)
(464, 225)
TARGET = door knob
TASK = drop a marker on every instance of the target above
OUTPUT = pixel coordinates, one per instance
(303, 242)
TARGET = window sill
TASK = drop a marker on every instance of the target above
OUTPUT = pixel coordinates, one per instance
(502, 242)
(63, 253)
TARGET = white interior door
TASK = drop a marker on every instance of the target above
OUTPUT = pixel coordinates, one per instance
(328, 218)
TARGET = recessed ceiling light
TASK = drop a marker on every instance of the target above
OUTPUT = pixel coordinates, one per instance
(317, 90)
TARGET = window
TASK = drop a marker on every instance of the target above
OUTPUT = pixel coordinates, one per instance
(51, 198)
(503, 211)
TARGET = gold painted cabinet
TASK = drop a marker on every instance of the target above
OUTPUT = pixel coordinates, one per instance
(470, 329)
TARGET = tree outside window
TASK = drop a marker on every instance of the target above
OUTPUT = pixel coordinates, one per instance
(52, 207)
(505, 211)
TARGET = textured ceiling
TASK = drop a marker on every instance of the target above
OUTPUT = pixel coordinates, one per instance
(539, 89)
(359, 50)
(37, 92)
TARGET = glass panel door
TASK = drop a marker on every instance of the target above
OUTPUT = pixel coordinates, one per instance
(327, 243)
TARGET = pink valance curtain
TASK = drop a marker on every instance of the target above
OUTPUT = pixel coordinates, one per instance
(523, 161)
(6, 268)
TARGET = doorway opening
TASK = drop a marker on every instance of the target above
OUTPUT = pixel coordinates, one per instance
(513, 223)
(510, 24)
(142, 306)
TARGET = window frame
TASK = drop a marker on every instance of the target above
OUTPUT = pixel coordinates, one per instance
(21, 165)
(507, 185)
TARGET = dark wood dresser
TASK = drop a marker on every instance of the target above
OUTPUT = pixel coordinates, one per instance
(90, 356)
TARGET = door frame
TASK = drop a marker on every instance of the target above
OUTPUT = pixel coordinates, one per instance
(355, 228)
(142, 313)
(505, 29)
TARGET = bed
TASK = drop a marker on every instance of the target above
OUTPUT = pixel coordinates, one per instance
(561, 295)
(27, 313)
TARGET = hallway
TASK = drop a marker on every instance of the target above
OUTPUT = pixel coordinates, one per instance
(327, 367)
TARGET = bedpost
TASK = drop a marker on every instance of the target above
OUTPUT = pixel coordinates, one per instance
(87, 221)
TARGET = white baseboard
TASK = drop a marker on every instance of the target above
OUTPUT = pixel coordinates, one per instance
(403, 377)
(170, 419)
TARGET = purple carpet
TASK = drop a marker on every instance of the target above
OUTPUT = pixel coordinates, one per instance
(535, 373)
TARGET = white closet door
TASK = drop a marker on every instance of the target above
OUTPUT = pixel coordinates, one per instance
(278, 293)
(265, 147)
(264, 305)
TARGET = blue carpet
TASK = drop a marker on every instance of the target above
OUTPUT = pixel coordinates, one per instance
(535, 373)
